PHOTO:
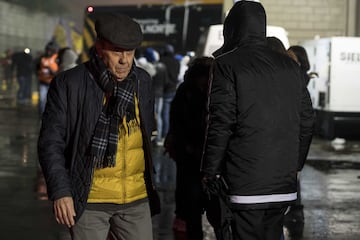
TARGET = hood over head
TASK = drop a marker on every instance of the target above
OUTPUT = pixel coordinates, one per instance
(244, 25)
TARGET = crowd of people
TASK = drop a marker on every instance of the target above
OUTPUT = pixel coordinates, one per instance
(238, 126)
(164, 68)
(22, 66)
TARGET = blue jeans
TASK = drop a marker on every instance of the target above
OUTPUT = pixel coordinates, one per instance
(168, 97)
(43, 90)
(159, 122)
(24, 91)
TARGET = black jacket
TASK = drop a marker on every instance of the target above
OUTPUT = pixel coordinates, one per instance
(160, 79)
(74, 104)
(187, 127)
(23, 63)
(260, 115)
(173, 68)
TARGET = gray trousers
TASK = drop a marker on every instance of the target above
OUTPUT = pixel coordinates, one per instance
(128, 223)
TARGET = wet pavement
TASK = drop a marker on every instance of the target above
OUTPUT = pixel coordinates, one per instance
(330, 185)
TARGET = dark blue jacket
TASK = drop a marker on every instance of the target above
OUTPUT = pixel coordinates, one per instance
(74, 104)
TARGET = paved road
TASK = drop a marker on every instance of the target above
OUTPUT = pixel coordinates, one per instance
(330, 187)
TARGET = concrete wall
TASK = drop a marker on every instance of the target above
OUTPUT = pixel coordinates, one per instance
(20, 28)
(305, 19)
(357, 20)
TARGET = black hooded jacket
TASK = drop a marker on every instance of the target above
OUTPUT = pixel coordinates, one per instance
(260, 115)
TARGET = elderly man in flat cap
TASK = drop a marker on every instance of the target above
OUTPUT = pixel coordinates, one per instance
(94, 143)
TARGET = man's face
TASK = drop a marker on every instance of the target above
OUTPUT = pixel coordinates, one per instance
(119, 61)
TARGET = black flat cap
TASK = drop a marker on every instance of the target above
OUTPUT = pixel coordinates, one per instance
(120, 30)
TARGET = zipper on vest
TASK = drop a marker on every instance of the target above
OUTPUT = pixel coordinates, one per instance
(124, 163)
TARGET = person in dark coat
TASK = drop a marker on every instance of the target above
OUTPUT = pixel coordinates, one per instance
(22, 62)
(160, 80)
(260, 125)
(94, 145)
(295, 215)
(184, 144)
(167, 57)
(302, 59)
(275, 44)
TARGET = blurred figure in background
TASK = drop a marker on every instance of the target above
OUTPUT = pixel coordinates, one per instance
(160, 79)
(67, 58)
(184, 62)
(145, 64)
(296, 213)
(6, 62)
(46, 70)
(294, 218)
(275, 44)
(302, 59)
(184, 143)
(22, 63)
(173, 69)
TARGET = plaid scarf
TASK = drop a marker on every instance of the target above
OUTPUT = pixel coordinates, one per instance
(120, 103)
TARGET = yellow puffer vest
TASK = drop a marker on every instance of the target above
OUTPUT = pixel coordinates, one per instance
(125, 182)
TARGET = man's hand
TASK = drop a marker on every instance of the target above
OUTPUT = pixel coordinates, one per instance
(169, 146)
(64, 211)
(214, 185)
(210, 184)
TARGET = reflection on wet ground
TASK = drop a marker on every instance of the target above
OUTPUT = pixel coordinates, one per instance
(330, 188)
(331, 200)
(165, 182)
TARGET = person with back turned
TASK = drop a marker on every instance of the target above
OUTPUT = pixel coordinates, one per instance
(184, 143)
(94, 143)
(260, 125)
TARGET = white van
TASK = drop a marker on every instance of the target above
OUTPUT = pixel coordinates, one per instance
(213, 38)
(335, 92)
